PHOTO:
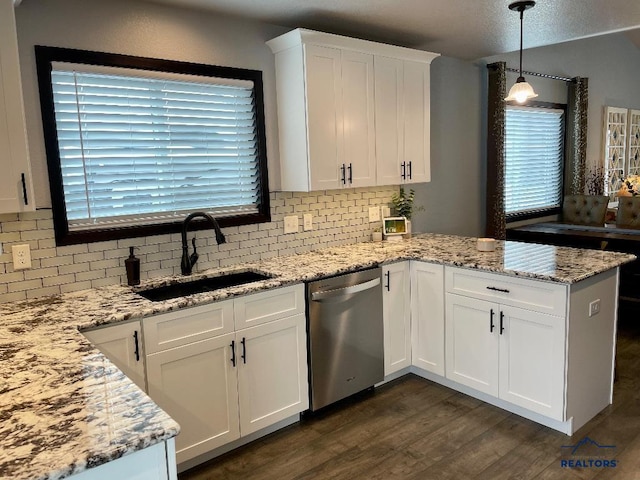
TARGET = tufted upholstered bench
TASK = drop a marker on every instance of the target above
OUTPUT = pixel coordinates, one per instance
(585, 209)
(628, 212)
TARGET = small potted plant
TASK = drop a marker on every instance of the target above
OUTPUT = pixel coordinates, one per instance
(376, 235)
(404, 207)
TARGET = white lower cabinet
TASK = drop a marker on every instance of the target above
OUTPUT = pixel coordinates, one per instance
(471, 343)
(196, 384)
(427, 317)
(396, 302)
(512, 353)
(532, 361)
(272, 372)
(227, 386)
(122, 344)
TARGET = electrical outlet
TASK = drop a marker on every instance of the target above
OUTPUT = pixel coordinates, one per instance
(308, 222)
(291, 224)
(386, 212)
(374, 214)
(21, 257)
(594, 307)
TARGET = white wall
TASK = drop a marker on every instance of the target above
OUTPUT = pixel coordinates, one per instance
(454, 199)
(142, 29)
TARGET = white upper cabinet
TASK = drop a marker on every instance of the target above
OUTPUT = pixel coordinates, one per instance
(402, 109)
(350, 112)
(16, 192)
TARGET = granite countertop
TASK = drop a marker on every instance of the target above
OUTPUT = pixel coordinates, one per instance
(64, 407)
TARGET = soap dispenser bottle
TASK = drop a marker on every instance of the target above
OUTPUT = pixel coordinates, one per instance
(132, 264)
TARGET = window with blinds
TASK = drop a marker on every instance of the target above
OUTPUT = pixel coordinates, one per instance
(139, 147)
(534, 159)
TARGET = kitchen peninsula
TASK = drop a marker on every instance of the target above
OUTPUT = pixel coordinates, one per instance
(66, 408)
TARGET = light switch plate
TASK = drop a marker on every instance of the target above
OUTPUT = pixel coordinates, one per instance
(291, 224)
(308, 222)
(374, 214)
(386, 212)
(21, 257)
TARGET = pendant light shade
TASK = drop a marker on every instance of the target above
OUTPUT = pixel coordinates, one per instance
(521, 90)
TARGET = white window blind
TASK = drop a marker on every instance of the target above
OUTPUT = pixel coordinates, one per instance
(136, 147)
(534, 158)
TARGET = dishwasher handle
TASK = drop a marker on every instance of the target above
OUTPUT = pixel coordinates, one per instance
(344, 291)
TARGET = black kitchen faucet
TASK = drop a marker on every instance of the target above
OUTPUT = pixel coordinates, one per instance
(187, 263)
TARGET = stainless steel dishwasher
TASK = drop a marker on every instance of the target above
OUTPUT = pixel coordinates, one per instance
(346, 353)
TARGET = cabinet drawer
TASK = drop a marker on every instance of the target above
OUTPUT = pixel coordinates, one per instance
(268, 306)
(530, 294)
(174, 329)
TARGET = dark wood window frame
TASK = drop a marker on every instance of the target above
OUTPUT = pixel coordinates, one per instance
(45, 56)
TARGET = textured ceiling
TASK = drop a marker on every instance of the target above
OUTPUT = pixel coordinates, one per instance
(467, 29)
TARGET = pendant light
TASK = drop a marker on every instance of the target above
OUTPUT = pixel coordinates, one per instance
(521, 90)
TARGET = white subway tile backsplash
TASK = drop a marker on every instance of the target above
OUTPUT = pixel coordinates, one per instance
(12, 276)
(25, 285)
(15, 296)
(339, 217)
(20, 226)
(88, 257)
(43, 292)
(74, 287)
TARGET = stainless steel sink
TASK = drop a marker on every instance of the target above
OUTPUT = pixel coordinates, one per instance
(210, 284)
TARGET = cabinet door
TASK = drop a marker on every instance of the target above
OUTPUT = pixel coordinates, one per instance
(272, 373)
(122, 344)
(15, 196)
(267, 306)
(417, 121)
(324, 116)
(197, 386)
(532, 352)
(472, 343)
(396, 315)
(181, 327)
(389, 110)
(427, 317)
(358, 119)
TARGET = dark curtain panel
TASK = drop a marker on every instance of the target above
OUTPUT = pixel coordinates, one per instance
(496, 227)
(576, 148)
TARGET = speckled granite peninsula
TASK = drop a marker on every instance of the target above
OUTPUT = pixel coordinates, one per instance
(65, 408)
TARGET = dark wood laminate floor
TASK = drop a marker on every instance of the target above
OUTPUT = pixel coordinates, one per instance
(416, 429)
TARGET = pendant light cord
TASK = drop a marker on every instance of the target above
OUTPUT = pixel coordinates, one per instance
(521, 28)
